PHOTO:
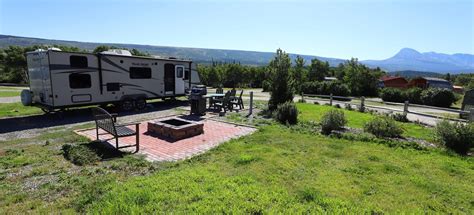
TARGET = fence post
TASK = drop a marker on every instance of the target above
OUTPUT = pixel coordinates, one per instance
(330, 99)
(251, 103)
(405, 108)
(302, 98)
(362, 104)
(471, 115)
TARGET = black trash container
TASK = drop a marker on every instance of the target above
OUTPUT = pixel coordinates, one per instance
(197, 99)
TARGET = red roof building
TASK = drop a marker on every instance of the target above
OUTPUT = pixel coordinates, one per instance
(394, 82)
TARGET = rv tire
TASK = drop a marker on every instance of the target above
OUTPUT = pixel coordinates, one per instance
(127, 105)
(140, 104)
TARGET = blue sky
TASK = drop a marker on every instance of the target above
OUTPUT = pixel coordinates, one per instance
(367, 29)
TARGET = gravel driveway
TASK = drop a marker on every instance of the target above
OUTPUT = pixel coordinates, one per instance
(32, 126)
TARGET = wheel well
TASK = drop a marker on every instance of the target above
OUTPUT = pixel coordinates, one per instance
(133, 97)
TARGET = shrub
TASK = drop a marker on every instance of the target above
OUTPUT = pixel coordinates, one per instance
(79, 154)
(332, 120)
(392, 95)
(286, 113)
(348, 106)
(266, 86)
(457, 136)
(337, 88)
(400, 117)
(383, 127)
(413, 95)
(337, 106)
(438, 97)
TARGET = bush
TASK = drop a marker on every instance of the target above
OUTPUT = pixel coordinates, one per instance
(348, 106)
(337, 106)
(438, 97)
(413, 95)
(79, 154)
(332, 120)
(431, 96)
(400, 117)
(457, 136)
(337, 88)
(266, 86)
(286, 113)
(383, 127)
(392, 95)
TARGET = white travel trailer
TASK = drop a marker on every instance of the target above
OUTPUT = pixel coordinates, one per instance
(59, 79)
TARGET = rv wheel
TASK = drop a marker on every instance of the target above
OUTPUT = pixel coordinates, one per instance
(140, 104)
(126, 105)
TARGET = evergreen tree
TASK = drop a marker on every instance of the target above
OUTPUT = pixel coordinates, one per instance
(299, 73)
(281, 83)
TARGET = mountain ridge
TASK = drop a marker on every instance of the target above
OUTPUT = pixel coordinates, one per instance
(405, 59)
(410, 59)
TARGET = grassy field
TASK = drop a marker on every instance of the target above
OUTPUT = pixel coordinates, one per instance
(36, 178)
(356, 119)
(276, 169)
(9, 93)
(17, 109)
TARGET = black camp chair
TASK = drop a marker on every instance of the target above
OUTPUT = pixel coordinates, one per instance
(224, 103)
(237, 101)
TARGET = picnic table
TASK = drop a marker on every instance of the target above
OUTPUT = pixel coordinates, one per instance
(212, 96)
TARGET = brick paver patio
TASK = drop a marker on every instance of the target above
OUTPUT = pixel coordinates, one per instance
(161, 149)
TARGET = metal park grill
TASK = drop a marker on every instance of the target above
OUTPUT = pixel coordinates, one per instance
(197, 99)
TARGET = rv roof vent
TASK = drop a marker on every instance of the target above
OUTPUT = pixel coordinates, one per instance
(117, 52)
(54, 49)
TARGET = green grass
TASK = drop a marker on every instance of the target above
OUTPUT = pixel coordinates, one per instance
(36, 178)
(9, 93)
(12, 88)
(17, 109)
(357, 120)
(276, 170)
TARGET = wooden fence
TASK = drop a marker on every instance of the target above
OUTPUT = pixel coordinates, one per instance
(362, 105)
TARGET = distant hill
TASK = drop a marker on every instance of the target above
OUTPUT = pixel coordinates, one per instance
(405, 60)
(196, 54)
(410, 59)
(414, 74)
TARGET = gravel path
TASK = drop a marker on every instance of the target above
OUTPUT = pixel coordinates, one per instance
(32, 126)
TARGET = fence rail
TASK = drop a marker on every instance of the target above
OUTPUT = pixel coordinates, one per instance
(406, 105)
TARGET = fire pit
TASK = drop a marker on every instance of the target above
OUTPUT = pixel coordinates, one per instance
(175, 128)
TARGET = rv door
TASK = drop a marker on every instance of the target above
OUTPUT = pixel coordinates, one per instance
(179, 82)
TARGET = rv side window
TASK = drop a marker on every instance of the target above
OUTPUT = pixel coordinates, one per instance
(78, 61)
(140, 72)
(79, 81)
(179, 72)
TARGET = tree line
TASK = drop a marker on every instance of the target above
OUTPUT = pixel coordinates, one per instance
(358, 79)
(13, 66)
